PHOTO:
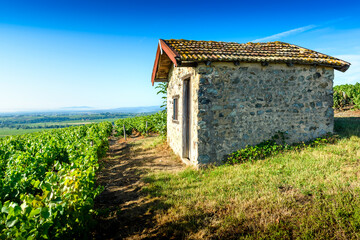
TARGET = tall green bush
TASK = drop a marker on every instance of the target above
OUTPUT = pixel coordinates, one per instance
(347, 95)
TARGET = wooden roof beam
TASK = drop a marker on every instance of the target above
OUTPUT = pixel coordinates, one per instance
(173, 56)
(155, 65)
(160, 80)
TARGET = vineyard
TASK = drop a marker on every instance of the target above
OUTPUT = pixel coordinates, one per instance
(347, 95)
(47, 181)
(142, 124)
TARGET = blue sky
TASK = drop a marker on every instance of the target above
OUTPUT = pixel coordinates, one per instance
(65, 53)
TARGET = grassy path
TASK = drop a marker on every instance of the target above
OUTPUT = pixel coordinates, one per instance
(123, 210)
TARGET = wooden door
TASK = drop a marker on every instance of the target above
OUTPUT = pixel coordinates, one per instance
(186, 119)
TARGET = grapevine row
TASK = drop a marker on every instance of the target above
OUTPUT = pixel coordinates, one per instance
(47, 181)
(155, 123)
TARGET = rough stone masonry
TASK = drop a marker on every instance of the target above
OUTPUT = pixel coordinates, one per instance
(235, 106)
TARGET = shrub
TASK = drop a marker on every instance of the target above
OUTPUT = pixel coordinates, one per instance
(347, 95)
(274, 146)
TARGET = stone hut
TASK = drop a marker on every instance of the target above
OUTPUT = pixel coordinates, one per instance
(223, 96)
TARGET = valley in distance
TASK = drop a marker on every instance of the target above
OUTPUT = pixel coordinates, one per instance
(14, 123)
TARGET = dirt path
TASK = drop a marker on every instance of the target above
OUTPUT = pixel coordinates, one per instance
(349, 113)
(123, 209)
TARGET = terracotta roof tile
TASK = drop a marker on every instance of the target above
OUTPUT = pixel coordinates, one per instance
(195, 51)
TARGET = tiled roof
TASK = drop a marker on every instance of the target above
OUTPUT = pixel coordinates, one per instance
(199, 51)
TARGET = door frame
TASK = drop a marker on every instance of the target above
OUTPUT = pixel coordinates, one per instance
(186, 126)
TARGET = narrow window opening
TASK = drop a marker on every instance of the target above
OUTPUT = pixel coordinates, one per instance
(175, 108)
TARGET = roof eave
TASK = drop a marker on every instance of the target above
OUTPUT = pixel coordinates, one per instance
(155, 65)
(174, 57)
(343, 68)
(172, 54)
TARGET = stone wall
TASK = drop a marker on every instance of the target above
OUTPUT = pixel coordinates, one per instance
(246, 104)
(175, 129)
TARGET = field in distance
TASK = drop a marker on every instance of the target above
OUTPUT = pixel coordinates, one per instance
(14, 124)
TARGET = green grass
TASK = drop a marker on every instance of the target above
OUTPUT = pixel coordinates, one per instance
(13, 131)
(309, 194)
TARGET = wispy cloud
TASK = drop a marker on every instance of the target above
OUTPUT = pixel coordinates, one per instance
(352, 75)
(299, 30)
(285, 34)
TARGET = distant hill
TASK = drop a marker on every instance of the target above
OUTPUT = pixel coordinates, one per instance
(77, 108)
(111, 110)
(88, 110)
(135, 109)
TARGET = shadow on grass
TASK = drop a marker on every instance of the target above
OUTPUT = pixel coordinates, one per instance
(334, 216)
(346, 127)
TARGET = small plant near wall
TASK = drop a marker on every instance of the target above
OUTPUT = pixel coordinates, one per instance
(162, 90)
(274, 146)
